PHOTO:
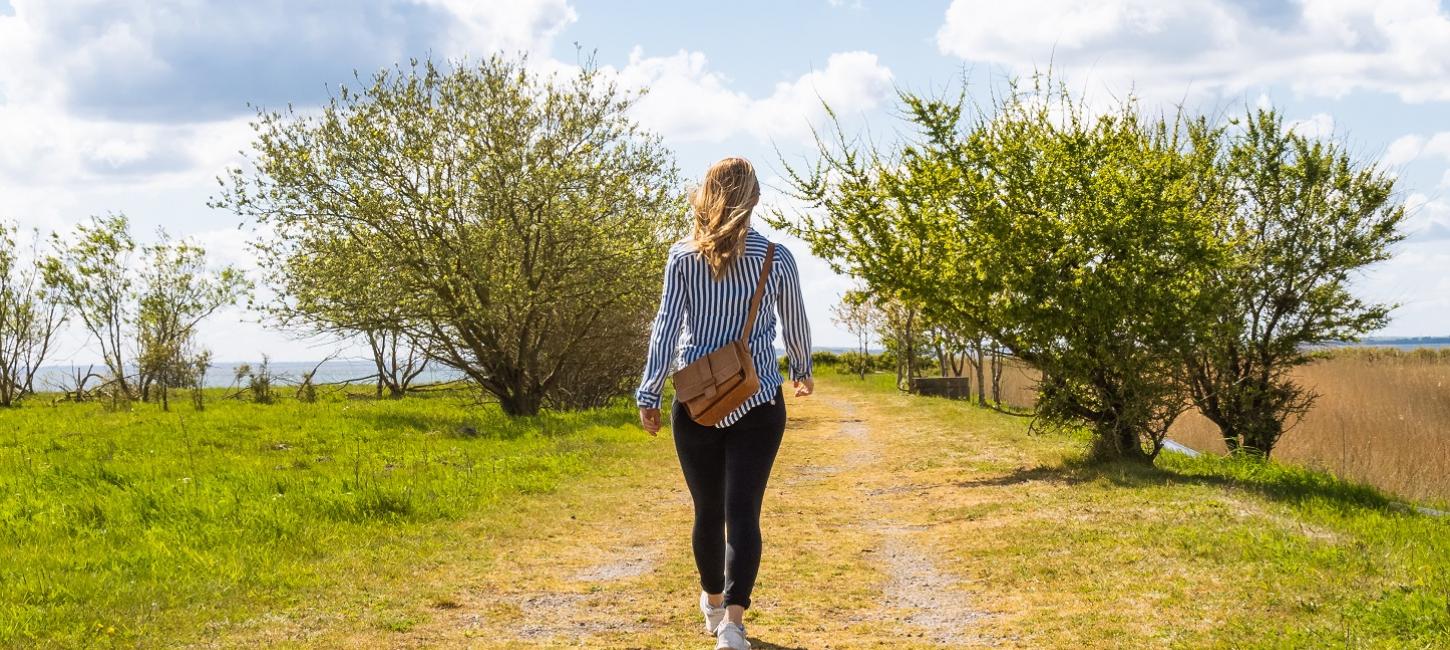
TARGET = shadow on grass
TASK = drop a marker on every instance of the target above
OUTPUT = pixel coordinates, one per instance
(766, 645)
(807, 421)
(1059, 474)
(1278, 482)
(486, 421)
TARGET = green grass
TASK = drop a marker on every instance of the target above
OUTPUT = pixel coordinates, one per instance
(1365, 572)
(153, 529)
(1219, 552)
(126, 527)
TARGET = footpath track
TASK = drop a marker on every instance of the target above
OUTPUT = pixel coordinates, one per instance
(847, 561)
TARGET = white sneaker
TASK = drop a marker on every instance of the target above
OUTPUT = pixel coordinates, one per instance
(713, 615)
(731, 636)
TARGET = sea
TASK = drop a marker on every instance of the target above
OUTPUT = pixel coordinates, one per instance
(359, 370)
(222, 374)
(1413, 343)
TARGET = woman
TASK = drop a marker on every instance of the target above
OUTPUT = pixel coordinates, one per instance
(709, 280)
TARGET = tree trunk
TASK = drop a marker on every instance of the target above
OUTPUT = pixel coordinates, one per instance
(861, 367)
(910, 348)
(521, 401)
(1115, 438)
(1259, 438)
(1114, 441)
(996, 375)
(981, 376)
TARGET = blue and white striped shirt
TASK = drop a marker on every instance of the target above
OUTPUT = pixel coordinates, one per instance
(712, 312)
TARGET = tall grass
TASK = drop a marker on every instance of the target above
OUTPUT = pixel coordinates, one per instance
(1018, 385)
(113, 523)
(1383, 418)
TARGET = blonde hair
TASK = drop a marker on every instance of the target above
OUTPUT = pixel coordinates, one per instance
(722, 206)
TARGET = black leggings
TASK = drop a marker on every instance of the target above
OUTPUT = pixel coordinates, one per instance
(726, 469)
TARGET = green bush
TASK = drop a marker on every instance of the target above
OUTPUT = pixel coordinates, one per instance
(825, 358)
(856, 363)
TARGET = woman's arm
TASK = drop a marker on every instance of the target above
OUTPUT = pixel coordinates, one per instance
(663, 336)
(795, 330)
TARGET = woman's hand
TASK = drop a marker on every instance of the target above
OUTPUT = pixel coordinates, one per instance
(804, 386)
(650, 420)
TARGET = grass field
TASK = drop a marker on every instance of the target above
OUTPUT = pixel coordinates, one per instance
(892, 521)
(140, 525)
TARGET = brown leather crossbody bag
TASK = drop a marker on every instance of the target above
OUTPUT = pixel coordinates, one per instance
(716, 384)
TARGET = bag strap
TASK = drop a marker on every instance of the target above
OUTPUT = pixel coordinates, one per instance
(759, 289)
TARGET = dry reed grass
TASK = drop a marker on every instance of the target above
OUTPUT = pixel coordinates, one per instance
(1383, 418)
(1018, 384)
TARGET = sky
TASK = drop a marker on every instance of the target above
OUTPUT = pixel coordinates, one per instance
(137, 106)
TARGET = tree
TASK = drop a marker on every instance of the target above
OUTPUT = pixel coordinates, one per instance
(1100, 258)
(951, 351)
(30, 315)
(1305, 217)
(93, 279)
(905, 336)
(323, 290)
(997, 365)
(399, 361)
(1079, 243)
(177, 293)
(513, 225)
(858, 314)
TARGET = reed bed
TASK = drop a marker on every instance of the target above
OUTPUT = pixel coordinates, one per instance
(1382, 418)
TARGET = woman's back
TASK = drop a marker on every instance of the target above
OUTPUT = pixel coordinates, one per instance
(700, 313)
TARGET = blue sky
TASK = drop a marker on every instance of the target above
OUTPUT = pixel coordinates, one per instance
(137, 106)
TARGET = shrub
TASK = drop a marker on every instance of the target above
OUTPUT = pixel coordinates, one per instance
(825, 358)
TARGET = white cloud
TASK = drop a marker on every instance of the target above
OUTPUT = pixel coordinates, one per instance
(504, 26)
(1412, 147)
(1403, 150)
(1323, 48)
(1417, 278)
(1319, 125)
(689, 102)
(97, 94)
(852, 82)
(145, 61)
(1426, 219)
(685, 100)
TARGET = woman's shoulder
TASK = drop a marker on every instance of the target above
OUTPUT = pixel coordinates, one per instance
(756, 243)
(682, 248)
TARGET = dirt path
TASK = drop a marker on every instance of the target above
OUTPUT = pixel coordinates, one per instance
(848, 560)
